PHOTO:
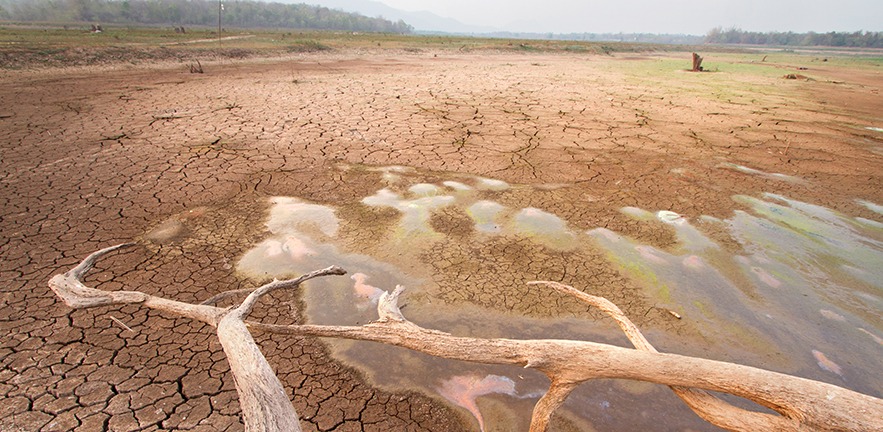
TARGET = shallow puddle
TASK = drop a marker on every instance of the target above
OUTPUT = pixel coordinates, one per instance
(544, 227)
(803, 297)
(484, 214)
(415, 211)
(876, 208)
(756, 172)
(808, 283)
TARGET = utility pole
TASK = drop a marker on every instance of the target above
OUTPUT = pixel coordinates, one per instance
(220, 8)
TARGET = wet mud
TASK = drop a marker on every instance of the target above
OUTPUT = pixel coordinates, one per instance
(732, 216)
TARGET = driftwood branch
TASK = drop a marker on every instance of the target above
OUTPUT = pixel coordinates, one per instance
(549, 403)
(801, 404)
(265, 406)
(71, 289)
(805, 404)
(707, 406)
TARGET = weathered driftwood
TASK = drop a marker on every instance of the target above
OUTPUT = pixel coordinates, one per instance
(265, 406)
(802, 404)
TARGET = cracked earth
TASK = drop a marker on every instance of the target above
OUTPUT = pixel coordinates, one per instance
(185, 164)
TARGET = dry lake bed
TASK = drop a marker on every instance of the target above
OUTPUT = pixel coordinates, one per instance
(734, 214)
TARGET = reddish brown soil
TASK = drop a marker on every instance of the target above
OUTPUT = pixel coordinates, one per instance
(93, 158)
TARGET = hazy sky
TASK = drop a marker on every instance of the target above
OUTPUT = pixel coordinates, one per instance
(657, 16)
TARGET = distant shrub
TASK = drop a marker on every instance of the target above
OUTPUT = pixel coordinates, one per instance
(306, 45)
(236, 53)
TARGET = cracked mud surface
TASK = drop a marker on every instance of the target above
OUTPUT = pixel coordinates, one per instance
(185, 163)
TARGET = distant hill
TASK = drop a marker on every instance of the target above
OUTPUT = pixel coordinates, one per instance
(240, 13)
(421, 21)
(427, 22)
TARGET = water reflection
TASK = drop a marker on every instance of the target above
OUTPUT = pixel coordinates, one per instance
(421, 200)
(464, 389)
(415, 212)
(457, 186)
(545, 228)
(876, 208)
(291, 214)
(826, 364)
(800, 262)
(755, 172)
(366, 295)
(484, 214)
(804, 294)
(491, 184)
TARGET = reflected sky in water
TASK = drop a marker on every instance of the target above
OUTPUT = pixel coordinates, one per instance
(803, 293)
(808, 282)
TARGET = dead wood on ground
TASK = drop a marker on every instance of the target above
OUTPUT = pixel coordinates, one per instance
(801, 404)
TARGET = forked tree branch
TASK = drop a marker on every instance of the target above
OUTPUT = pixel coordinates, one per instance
(248, 304)
(802, 404)
(71, 289)
(262, 398)
(805, 404)
(705, 405)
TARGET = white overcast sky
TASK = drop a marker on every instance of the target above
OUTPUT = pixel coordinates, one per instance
(657, 16)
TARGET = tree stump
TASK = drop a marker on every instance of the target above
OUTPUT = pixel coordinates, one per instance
(697, 63)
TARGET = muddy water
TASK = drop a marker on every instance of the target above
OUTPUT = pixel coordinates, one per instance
(807, 284)
(801, 295)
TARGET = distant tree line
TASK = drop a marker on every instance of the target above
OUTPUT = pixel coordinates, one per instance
(237, 13)
(674, 39)
(859, 39)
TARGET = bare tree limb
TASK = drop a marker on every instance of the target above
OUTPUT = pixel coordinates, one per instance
(388, 306)
(265, 405)
(710, 408)
(248, 304)
(70, 288)
(262, 398)
(549, 403)
(803, 404)
(217, 298)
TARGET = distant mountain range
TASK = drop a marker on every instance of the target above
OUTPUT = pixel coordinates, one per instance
(428, 22)
(421, 21)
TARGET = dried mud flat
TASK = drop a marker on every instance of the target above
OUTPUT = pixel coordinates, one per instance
(185, 164)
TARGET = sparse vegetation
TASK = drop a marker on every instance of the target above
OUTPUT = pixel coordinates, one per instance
(60, 45)
(857, 39)
(244, 13)
(307, 45)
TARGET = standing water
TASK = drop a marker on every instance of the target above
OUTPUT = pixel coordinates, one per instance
(802, 294)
